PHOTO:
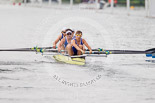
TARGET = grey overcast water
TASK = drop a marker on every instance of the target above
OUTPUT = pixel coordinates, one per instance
(27, 77)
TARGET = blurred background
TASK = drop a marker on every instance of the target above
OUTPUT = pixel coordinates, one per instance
(147, 6)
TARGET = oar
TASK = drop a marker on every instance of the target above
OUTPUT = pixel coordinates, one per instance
(115, 52)
(36, 48)
(17, 50)
(149, 52)
(32, 50)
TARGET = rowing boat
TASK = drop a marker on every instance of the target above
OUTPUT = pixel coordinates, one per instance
(77, 60)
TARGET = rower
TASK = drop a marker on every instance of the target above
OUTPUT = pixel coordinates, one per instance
(78, 45)
(63, 34)
(65, 43)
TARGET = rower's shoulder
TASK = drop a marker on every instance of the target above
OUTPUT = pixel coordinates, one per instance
(60, 36)
(83, 40)
(63, 38)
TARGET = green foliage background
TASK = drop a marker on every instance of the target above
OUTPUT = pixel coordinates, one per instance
(75, 1)
(132, 2)
(120, 2)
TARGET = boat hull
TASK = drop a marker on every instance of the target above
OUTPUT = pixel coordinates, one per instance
(70, 60)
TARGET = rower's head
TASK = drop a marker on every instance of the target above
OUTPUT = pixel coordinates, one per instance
(78, 34)
(69, 34)
(73, 31)
(69, 30)
(64, 31)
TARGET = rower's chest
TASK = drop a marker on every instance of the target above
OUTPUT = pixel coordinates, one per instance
(68, 41)
(78, 42)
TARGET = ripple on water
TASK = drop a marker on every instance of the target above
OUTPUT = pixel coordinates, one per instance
(12, 63)
(15, 87)
(15, 69)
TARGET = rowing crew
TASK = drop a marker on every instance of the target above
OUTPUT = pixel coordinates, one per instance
(73, 44)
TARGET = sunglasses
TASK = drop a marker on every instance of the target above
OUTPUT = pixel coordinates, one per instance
(69, 34)
(78, 34)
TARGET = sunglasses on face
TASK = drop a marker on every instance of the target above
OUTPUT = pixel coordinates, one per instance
(69, 34)
(78, 34)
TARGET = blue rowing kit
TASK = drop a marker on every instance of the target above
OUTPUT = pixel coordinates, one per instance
(66, 42)
(61, 36)
(73, 48)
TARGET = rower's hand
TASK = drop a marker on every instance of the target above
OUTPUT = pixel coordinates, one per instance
(83, 52)
(90, 51)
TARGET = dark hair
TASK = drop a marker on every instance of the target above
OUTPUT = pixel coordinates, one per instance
(78, 32)
(69, 30)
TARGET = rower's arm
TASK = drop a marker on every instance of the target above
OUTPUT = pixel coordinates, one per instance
(86, 44)
(56, 41)
(75, 45)
(60, 44)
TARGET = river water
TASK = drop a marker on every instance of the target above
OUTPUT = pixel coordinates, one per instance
(27, 77)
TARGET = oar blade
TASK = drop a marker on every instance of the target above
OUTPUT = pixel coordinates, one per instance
(150, 53)
(153, 55)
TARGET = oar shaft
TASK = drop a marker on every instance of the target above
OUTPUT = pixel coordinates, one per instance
(51, 50)
(104, 51)
(116, 52)
(16, 50)
(37, 48)
(125, 52)
(32, 50)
